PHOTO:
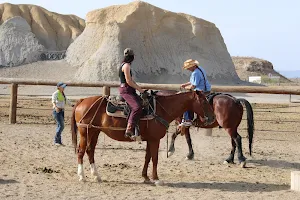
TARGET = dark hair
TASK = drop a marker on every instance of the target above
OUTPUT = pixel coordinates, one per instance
(128, 59)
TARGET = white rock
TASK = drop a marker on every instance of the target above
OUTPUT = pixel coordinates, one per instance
(161, 40)
(18, 45)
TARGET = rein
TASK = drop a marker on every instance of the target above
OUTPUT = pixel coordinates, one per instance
(164, 122)
(90, 125)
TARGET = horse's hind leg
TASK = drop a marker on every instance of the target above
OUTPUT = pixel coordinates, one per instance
(241, 157)
(80, 153)
(172, 145)
(90, 150)
(190, 155)
(232, 133)
(230, 159)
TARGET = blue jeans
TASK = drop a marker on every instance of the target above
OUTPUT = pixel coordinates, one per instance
(188, 115)
(59, 118)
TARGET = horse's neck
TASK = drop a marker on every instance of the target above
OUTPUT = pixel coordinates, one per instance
(174, 106)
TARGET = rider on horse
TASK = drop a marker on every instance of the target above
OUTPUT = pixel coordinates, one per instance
(198, 81)
(127, 90)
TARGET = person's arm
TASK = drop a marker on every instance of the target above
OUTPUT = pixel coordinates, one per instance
(185, 84)
(69, 102)
(129, 81)
(190, 87)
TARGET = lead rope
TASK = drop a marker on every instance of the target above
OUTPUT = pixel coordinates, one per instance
(167, 142)
(90, 124)
(153, 110)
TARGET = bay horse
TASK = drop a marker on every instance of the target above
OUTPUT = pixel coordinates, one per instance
(229, 112)
(90, 118)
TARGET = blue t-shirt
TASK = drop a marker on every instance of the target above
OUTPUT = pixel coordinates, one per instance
(197, 80)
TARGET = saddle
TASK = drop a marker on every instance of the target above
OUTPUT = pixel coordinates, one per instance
(210, 97)
(117, 107)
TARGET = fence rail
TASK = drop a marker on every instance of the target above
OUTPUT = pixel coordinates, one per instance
(295, 90)
(216, 88)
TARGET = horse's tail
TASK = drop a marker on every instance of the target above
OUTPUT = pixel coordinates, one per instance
(250, 121)
(74, 126)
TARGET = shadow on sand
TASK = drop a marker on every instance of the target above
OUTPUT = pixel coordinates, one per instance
(7, 181)
(276, 164)
(231, 186)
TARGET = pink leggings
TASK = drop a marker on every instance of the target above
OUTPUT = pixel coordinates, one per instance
(130, 96)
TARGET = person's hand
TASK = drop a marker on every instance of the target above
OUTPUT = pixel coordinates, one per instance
(57, 109)
(182, 86)
(190, 87)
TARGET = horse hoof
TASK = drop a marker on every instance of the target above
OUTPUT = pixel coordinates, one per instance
(228, 163)
(170, 153)
(243, 164)
(158, 183)
(187, 158)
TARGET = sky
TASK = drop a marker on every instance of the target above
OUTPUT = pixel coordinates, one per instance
(267, 29)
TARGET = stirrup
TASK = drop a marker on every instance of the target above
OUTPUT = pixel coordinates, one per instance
(128, 135)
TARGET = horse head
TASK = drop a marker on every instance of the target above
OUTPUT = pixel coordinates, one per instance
(202, 108)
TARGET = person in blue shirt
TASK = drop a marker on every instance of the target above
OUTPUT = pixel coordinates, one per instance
(198, 81)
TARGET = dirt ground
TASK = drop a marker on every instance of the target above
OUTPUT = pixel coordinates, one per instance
(33, 168)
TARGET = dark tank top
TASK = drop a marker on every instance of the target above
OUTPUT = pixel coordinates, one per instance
(122, 75)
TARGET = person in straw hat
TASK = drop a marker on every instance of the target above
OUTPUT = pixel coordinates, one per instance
(198, 81)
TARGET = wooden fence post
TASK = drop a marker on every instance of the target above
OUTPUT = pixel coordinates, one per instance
(106, 90)
(13, 103)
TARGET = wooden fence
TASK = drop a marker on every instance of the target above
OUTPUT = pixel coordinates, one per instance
(295, 90)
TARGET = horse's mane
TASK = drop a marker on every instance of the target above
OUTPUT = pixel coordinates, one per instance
(169, 93)
(166, 93)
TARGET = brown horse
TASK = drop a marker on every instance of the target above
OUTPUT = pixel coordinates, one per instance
(89, 116)
(229, 113)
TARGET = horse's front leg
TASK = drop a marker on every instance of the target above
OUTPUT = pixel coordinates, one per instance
(172, 145)
(154, 146)
(90, 150)
(80, 153)
(190, 155)
(147, 161)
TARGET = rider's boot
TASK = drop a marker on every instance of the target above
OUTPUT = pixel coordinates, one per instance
(129, 131)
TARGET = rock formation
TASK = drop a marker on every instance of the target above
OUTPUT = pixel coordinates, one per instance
(250, 66)
(161, 40)
(18, 45)
(54, 31)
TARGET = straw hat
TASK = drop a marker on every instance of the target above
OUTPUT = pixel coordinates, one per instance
(190, 63)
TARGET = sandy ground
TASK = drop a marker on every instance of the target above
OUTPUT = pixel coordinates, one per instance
(27, 149)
